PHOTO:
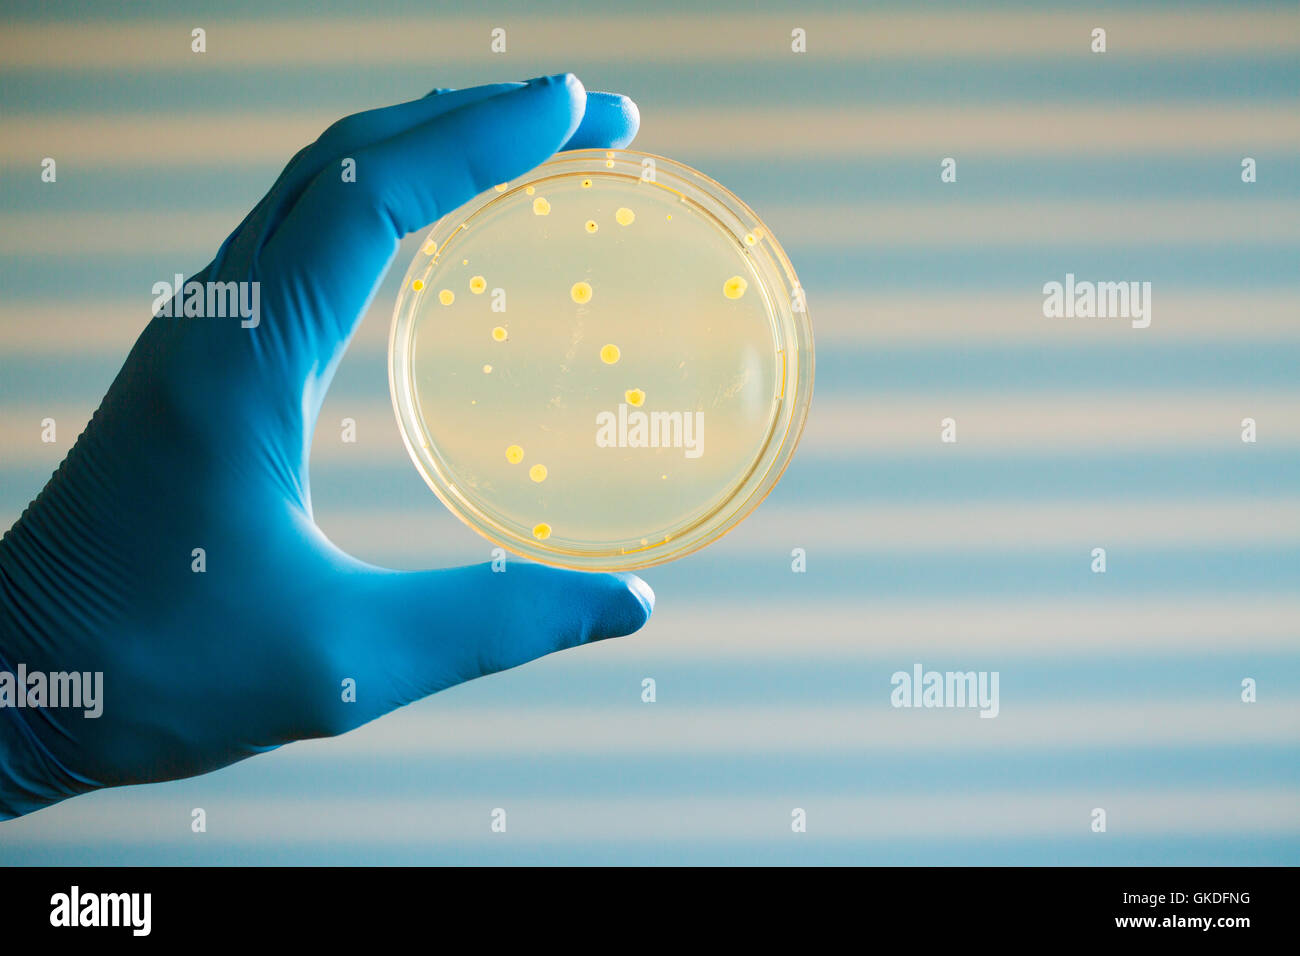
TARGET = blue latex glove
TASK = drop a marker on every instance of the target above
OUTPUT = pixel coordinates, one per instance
(202, 442)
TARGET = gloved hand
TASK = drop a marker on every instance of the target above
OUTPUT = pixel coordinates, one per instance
(202, 442)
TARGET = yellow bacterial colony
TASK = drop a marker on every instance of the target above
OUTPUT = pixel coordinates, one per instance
(514, 454)
(477, 285)
(446, 297)
(624, 216)
(499, 334)
(541, 206)
(591, 225)
(609, 354)
(634, 397)
(542, 531)
(581, 292)
(734, 287)
(417, 285)
(537, 473)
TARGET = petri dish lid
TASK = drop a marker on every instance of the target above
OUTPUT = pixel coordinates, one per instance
(604, 365)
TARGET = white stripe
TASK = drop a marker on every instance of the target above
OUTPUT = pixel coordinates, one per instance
(978, 529)
(696, 135)
(441, 726)
(184, 235)
(189, 235)
(1041, 222)
(1015, 318)
(838, 427)
(50, 328)
(896, 423)
(911, 424)
(754, 39)
(1107, 420)
(151, 819)
(960, 631)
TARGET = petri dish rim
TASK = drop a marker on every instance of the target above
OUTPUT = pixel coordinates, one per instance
(788, 316)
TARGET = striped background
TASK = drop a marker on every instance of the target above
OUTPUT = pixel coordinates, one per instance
(1118, 691)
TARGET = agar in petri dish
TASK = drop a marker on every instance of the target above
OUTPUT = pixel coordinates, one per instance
(650, 357)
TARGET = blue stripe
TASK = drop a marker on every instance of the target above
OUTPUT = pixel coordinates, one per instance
(1128, 366)
(1233, 474)
(842, 775)
(851, 566)
(808, 849)
(1261, 79)
(56, 10)
(1072, 675)
(872, 264)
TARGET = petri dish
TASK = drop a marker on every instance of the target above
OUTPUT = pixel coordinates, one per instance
(604, 365)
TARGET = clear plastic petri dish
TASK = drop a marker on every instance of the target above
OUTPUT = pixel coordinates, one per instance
(604, 365)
